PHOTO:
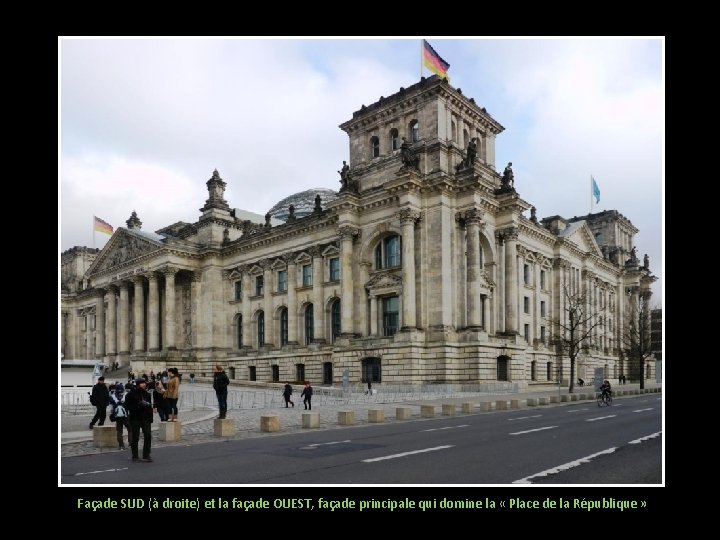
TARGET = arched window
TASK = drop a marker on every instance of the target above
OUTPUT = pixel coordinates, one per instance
(239, 331)
(414, 131)
(261, 328)
(375, 147)
(335, 319)
(387, 253)
(309, 325)
(283, 326)
(394, 142)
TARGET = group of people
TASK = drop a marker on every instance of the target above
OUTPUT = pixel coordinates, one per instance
(306, 394)
(133, 406)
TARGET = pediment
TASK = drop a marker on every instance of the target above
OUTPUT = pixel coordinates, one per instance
(583, 238)
(123, 247)
(384, 280)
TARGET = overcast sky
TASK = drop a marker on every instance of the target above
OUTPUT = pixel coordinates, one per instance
(143, 122)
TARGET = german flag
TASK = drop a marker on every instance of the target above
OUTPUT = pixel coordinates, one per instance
(433, 61)
(102, 226)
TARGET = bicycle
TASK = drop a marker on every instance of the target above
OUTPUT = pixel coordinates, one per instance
(605, 398)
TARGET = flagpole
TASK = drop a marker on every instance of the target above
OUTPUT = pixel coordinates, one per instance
(93, 230)
(591, 194)
(421, 57)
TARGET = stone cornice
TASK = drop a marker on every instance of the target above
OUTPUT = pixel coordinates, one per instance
(528, 229)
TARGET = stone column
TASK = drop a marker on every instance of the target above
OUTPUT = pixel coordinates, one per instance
(153, 324)
(318, 308)
(473, 217)
(246, 308)
(100, 325)
(373, 315)
(169, 340)
(139, 314)
(347, 234)
(511, 276)
(408, 217)
(111, 323)
(292, 300)
(199, 333)
(124, 323)
(268, 303)
(89, 334)
(485, 312)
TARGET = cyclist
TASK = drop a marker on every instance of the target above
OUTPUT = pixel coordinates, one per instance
(606, 389)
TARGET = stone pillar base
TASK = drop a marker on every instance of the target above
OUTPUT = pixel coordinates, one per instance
(468, 407)
(448, 409)
(224, 427)
(270, 423)
(403, 413)
(376, 415)
(346, 418)
(516, 403)
(501, 405)
(310, 420)
(105, 436)
(427, 411)
(170, 431)
(485, 406)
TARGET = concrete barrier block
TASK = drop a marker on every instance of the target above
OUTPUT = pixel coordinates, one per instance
(468, 407)
(403, 413)
(543, 401)
(501, 405)
(427, 411)
(554, 399)
(224, 428)
(346, 418)
(376, 415)
(270, 423)
(449, 409)
(310, 420)
(532, 402)
(517, 403)
(485, 406)
(573, 397)
(565, 397)
(170, 431)
(105, 436)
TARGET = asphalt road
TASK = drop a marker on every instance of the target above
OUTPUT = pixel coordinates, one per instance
(574, 443)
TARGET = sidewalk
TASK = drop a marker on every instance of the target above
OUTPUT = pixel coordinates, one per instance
(197, 425)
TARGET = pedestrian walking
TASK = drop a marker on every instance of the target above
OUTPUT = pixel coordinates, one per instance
(307, 396)
(100, 398)
(120, 415)
(220, 384)
(287, 392)
(139, 406)
(369, 390)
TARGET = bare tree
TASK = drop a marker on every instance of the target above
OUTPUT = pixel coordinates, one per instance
(572, 332)
(637, 336)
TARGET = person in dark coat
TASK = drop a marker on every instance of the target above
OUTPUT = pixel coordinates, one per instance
(100, 398)
(307, 396)
(121, 421)
(220, 384)
(287, 392)
(159, 401)
(139, 405)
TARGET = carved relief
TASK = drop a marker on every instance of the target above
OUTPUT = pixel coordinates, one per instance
(348, 231)
(127, 247)
(408, 215)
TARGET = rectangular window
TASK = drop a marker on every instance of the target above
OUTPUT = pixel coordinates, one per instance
(542, 308)
(527, 333)
(258, 286)
(238, 290)
(335, 269)
(282, 280)
(307, 275)
(526, 274)
(391, 315)
(542, 279)
(252, 373)
(526, 304)
(542, 334)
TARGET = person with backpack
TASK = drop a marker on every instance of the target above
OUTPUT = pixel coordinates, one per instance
(119, 414)
(307, 396)
(287, 392)
(100, 398)
(220, 384)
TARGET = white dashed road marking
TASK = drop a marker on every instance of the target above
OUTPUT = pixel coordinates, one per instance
(601, 418)
(393, 456)
(525, 417)
(98, 472)
(531, 430)
(440, 428)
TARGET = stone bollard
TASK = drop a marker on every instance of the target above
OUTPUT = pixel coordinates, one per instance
(532, 402)
(427, 411)
(565, 397)
(543, 401)
(485, 406)
(346, 418)
(310, 420)
(468, 407)
(376, 415)
(554, 399)
(269, 423)
(224, 428)
(516, 403)
(448, 409)
(403, 413)
(501, 405)
(170, 431)
(105, 436)
(573, 397)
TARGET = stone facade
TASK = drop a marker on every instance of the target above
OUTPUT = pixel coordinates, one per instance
(424, 269)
